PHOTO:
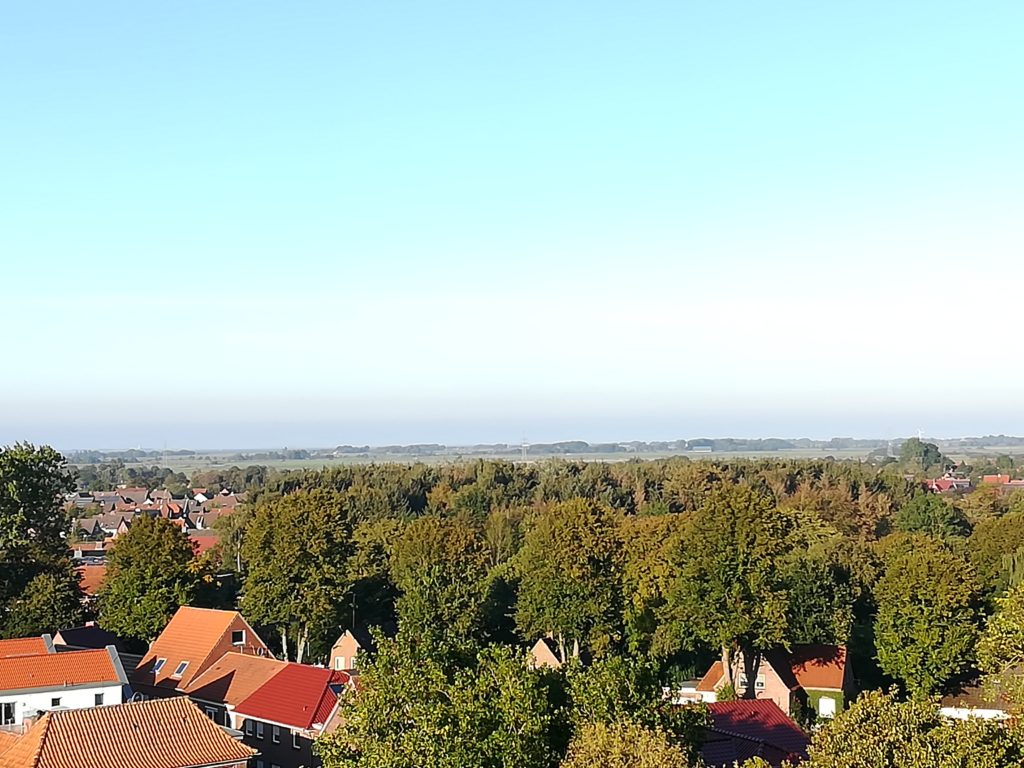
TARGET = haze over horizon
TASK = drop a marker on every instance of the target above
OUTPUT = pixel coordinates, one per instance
(248, 225)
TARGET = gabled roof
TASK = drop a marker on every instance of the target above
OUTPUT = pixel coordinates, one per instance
(233, 678)
(194, 635)
(61, 670)
(25, 646)
(163, 733)
(298, 696)
(818, 666)
(711, 678)
(748, 728)
(92, 579)
(89, 636)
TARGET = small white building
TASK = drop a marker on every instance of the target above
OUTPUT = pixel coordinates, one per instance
(42, 682)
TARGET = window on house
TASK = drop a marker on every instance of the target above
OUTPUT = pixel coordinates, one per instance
(260, 764)
(275, 735)
(7, 713)
(238, 637)
(248, 727)
(180, 669)
(295, 740)
(274, 765)
(97, 700)
(259, 730)
(158, 666)
(827, 706)
(339, 662)
(211, 713)
(758, 682)
(55, 701)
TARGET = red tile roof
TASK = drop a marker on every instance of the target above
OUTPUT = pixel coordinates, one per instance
(23, 646)
(233, 678)
(299, 696)
(995, 479)
(752, 728)
(203, 542)
(60, 670)
(164, 733)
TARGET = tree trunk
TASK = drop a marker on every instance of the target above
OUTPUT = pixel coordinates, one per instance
(284, 642)
(727, 666)
(300, 650)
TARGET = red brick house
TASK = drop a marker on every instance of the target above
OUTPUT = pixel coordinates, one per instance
(284, 716)
(819, 677)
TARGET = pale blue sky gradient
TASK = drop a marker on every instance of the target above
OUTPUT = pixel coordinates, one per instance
(256, 224)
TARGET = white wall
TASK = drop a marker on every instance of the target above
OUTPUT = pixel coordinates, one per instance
(73, 698)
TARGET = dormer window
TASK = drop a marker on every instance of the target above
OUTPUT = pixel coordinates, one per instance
(238, 637)
(180, 670)
(158, 666)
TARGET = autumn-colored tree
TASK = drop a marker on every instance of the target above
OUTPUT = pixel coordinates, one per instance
(879, 731)
(623, 744)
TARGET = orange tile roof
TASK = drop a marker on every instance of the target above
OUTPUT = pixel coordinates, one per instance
(233, 678)
(163, 733)
(23, 646)
(92, 578)
(712, 678)
(819, 666)
(192, 635)
(7, 740)
(60, 670)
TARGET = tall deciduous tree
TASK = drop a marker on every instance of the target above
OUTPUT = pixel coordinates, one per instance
(928, 614)
(652, 546)
(413, 710)
(33, 523)
(880, 732)
(1001, 649)
(439, 565)
(151, 572)
(731, 592)
(932, 515)
(296, 552)
(570, 577)
(624, 744)
(52, 601)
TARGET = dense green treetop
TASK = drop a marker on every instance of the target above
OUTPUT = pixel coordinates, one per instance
(151, 572)
(929, 609)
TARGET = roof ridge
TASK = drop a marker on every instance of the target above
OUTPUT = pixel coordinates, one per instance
(44, 726)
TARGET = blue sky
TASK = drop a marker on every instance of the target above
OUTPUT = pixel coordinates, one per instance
(260, 224)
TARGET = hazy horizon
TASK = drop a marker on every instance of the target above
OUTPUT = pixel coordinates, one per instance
(247, 224)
